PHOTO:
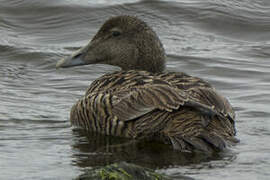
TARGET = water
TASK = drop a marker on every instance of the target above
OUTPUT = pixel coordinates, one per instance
(224, 42)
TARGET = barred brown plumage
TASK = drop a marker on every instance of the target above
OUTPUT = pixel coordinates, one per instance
(142, 101)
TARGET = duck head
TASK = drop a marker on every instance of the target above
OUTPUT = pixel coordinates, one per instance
(123, 41)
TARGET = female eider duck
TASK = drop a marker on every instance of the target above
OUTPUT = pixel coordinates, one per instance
(143, 101)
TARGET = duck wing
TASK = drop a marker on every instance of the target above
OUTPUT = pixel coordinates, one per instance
(201, 94)
(135, 93)
(129, 104)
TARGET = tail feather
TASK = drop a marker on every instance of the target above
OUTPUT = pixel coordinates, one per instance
(216, 141)
(207, 143)
(179, 144)
(198, 144)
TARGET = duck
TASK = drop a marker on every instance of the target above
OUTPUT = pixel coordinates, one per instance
(144, 101)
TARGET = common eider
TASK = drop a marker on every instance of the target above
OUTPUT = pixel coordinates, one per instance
(143, 101)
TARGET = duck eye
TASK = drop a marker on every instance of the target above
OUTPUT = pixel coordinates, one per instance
(116, 33)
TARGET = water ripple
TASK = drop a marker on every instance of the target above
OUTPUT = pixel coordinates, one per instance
(225, 42)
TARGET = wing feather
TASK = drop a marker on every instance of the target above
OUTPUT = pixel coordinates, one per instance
(139, 93)
(132, 103)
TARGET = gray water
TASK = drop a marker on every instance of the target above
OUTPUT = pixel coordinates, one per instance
(224, 42)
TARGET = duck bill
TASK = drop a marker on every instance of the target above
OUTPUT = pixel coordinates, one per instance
(76, 59)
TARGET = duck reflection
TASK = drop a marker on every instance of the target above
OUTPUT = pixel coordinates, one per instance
(92, 150)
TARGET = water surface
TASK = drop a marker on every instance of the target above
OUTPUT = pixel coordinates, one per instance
(224, 42)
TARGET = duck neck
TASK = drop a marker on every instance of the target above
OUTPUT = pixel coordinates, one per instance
(155, 65)
(151, 55)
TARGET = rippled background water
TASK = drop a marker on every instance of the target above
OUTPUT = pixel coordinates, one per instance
(224, 42)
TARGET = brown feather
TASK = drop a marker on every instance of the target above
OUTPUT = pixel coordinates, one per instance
(183, 109)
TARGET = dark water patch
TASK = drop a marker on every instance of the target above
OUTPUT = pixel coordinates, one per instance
(201, 170)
